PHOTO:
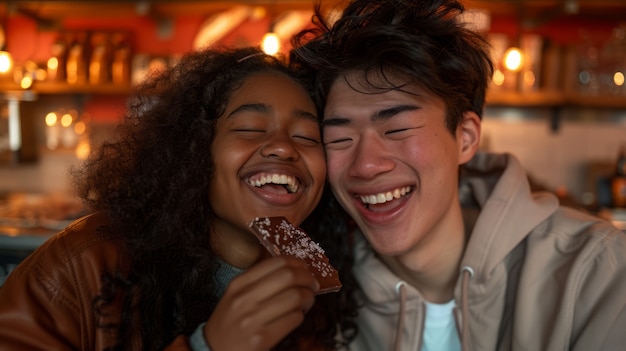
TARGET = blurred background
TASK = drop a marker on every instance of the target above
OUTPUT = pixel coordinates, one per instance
(557, 99)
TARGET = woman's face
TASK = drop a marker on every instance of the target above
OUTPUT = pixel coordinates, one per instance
(269, 160)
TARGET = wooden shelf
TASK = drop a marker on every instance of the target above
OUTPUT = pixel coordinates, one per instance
(494, 98)
(598, 101)
(528, 99)
(57, 88)
(554, 99)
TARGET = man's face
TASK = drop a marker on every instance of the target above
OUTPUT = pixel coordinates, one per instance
(267, 153)
(392, 162)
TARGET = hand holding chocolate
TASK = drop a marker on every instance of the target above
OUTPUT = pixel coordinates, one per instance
(280, 237)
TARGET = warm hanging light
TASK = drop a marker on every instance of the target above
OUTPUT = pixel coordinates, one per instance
(6, 62)
(513, 59)
(618, 78)
(270, 43)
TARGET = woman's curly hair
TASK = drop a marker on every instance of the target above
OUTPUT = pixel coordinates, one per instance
(152, 181)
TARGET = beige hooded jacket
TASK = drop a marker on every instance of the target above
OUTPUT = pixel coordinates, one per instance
(535, 276)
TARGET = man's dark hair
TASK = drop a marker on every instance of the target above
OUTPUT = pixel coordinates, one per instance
(424, 42)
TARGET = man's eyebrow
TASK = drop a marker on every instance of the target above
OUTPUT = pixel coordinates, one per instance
(335, 121)
(381, 115)
(387, 113)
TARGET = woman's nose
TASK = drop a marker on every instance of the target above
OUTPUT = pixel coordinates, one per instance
(280, 146)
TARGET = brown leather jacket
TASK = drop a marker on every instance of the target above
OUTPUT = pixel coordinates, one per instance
(46, 303)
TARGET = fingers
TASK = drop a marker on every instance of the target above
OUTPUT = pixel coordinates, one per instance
(276, 273)
(275, 320)
(274, 332)
(292, 301)
(262, 305)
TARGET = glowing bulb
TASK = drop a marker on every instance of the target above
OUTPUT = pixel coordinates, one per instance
(618, 78)
(51, 119)
(79, 128)
(6, 62)
(513, 59)
(53, 63)
(66, 120)
(26, 82)
(82, 150)
(498, 77)
(270, 43)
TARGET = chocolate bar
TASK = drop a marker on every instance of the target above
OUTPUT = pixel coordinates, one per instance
(280, 237)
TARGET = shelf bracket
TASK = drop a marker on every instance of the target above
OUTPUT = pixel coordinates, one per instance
(555, 119)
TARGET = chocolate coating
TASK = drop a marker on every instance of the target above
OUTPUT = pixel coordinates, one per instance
(280, 237)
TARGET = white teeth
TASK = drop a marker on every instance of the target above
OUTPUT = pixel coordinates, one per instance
(280, 179)
(384, 197)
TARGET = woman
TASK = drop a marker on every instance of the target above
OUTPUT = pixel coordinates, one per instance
(221, 138)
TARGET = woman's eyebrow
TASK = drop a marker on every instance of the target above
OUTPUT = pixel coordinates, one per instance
(306, 115)
(264, 108)
(256, 107)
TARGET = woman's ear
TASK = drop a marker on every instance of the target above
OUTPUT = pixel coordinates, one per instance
(468, 135)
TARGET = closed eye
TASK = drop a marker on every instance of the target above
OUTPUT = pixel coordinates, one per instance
(335, 141)
(401, 133)
(338, 144)
(249, 130)
(398, 130)
(307, 140)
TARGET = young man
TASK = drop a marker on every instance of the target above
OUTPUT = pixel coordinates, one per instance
(454, 251)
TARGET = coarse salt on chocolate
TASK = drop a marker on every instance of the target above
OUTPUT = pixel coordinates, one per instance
(280, 237)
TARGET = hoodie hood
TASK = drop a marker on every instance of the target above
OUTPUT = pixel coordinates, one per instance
(497, 187)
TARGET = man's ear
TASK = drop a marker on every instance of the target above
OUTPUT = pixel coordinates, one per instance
(468, 135)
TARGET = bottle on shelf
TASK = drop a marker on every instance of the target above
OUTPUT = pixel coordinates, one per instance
(56, 64)
(76, 65)
(121, 59)
(100, 62)
(618, 183)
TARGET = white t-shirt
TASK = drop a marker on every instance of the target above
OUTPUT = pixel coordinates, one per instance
(440, 332)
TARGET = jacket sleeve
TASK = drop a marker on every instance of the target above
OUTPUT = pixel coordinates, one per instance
(616, 337)
(195, 342)
(180, 343)
(600, 315)
(35, 313)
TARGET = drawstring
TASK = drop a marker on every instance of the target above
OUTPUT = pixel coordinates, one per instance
(401, 290)
(467, 273)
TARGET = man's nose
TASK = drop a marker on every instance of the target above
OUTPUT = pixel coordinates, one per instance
(280, 146)
(370, 158)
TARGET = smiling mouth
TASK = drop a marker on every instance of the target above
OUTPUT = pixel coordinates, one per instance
(290, 183)
(381, 198)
